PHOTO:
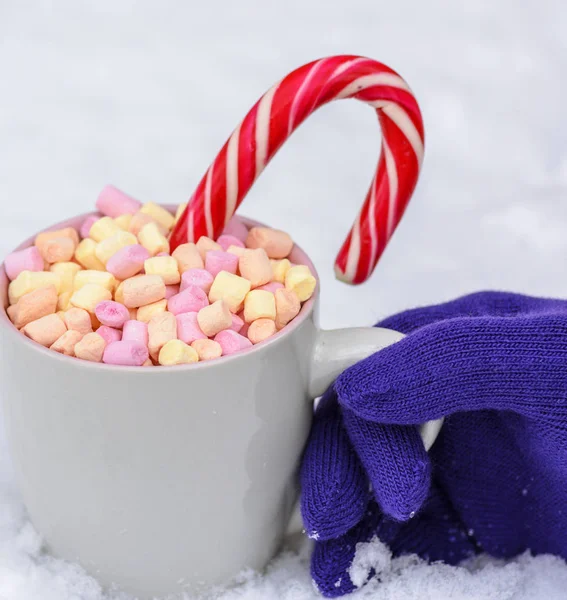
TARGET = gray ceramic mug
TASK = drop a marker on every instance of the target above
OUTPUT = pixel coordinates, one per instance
(175, 478)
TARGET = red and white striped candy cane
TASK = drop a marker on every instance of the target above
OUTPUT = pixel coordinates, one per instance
(274, 118)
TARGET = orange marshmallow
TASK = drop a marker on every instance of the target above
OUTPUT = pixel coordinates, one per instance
(207, 349)
(230, 288)
(204, 244)
(287, 307)
(46, 236)
(260, 330)
(188, 257)
(11, 311)
(46, 330)
(164, 266)
(27, 281)
(59, 249)
(161, 328)
(142, 289)
(298, 279)
(276, 243)
(65, 344)
(90, 347)
(138, 221)
(89, 296)
(255, 266)
(259, 304)
(214, 318)
(78, 319)
(34, 305)
(145, 313)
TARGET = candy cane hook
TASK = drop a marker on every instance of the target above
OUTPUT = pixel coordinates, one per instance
(276, 116)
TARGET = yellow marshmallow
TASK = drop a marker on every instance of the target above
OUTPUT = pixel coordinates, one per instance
(259, 304)
(102, 278)
(119, 292)
(279, 269)
(89, 296)
(164, 266)
(176, 352)
(123, 221)
(85, 255)
(64, 300)
(230, 288)
(152, 239)
(179, 211)
(187, 257)
(207, 349)
(298, 279)
(158, 214)
(205, 244)
(110, 246)
(103, 228)
(28, 281)
(145, 313)
(67, 272)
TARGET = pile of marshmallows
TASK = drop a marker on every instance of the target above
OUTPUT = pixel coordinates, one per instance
(112, 292)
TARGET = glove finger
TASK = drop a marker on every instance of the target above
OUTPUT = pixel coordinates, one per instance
(395, 461)
(334, 487)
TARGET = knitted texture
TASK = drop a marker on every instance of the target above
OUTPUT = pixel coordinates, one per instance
(495, 366)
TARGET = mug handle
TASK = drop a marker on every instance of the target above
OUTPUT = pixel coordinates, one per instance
(336, 350)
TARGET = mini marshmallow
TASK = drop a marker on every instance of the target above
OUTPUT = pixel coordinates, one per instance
(298, 279)
(180, 209)
(11, 312)
(66, 343)
(207, 349)
(287, 307)
(60, 249)
(232, 342)
(28, 281)
(109, 334)
(152, 239)
(28, 259)
(237, 323)
(261, 330)
(236, 228)
(90, 347)
(126, 353)
(171, 290)
(276, 243)
(119, 294)
(198, 277)
(188, 329)
(226, 241)
(191, 299)
(217, 261)
(78, 319)
(244, 329)
(127, 261)
(123, 221)
(176, 352)
(64, 301)
(67, 272)
(136, 331)
(34, 305)
(145, 313)
(259, 304)
(188, 257)
(161, 329)
(86, 257)
(158, 214)
(46, 330)
(112, 202)
(112, 313)
(106, 249)
(164, 266)
(104, 228)
(230, 288)
(139, 220)
(205, 244)
(89, 296)
(214, 318)
(67, 232)
(143, 289)
(255, 266)
(273, 286)
(236, 250)
(102, 278)
(87, 224)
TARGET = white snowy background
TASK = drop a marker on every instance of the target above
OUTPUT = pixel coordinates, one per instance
(143, 94)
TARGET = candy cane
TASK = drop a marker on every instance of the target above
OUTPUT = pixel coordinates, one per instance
(276, 116)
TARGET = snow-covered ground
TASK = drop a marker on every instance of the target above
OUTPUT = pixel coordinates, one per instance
(142, 94)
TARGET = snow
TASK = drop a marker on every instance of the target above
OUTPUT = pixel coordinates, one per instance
(142, 94)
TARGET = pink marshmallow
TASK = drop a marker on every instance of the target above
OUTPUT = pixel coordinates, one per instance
(191, 299)
(87, 224)
(236, 228)
(128, 353)
(188, 329)
(271, 287)
(232, 342)
(112, 314)
(237, 323)
(171, 290)
(127, 262)
(109, 334)
(135, 331)
(199, 277)
(113, 203)
(218, 260)
(28, 259)
(226, 241)
(163, 254)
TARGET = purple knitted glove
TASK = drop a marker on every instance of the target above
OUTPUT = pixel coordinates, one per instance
(495, 366)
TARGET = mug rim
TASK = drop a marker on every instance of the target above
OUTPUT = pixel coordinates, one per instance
(9, 328)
